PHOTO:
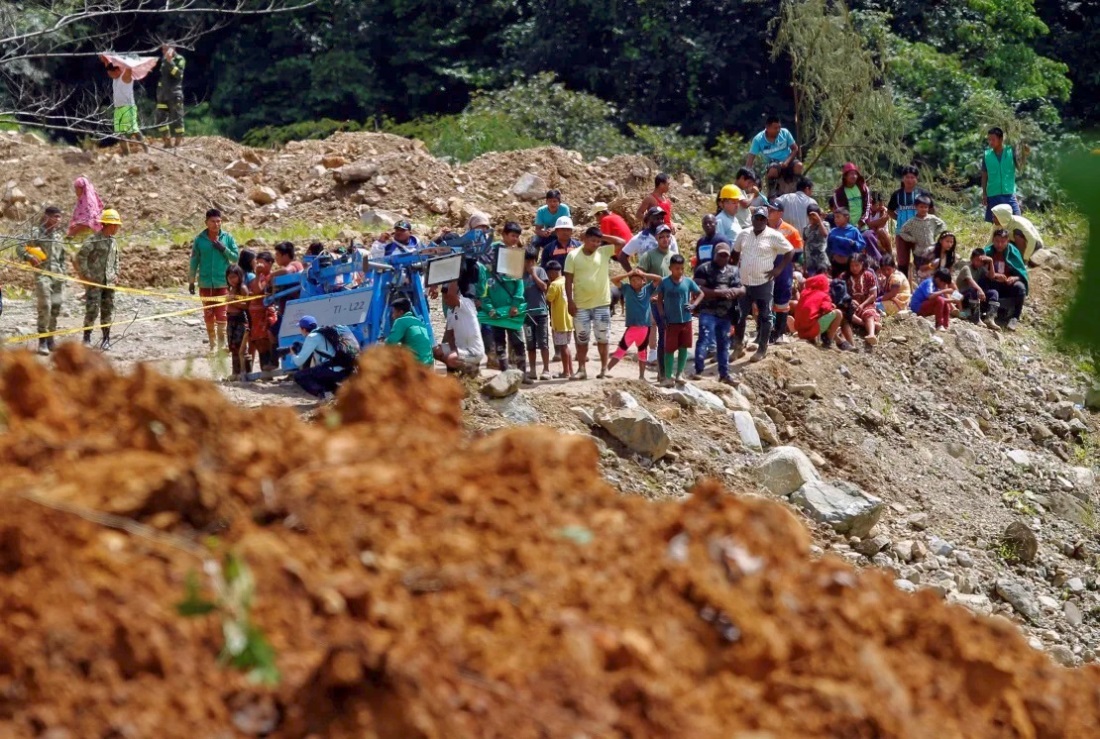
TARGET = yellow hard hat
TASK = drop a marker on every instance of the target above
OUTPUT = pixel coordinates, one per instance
(37, 253)
(730, 192)
(111, 216)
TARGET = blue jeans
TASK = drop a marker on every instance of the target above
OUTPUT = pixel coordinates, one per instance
(713, 329)
(1000, 200)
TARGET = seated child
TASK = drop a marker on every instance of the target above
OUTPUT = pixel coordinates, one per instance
(893, 287)
(982, 304)
(863, 287)
(815, 315)
(932, 298)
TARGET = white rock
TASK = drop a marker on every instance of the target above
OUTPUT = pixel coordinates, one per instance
(530, 187)
(1020, 458)
(784, 470)
(735, 401)
(503, 384)
(841, 505)
(692, 396)
(637, 429)
(746, 428)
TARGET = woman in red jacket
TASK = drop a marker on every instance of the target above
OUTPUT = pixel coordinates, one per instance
(815, 314)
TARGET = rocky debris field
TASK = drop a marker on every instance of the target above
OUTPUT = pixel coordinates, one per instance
(448, 586)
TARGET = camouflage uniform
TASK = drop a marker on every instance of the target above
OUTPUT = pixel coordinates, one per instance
(98, 262)
(47, 290)
(170, 96)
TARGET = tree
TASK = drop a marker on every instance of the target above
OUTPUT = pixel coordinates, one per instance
(842, 102)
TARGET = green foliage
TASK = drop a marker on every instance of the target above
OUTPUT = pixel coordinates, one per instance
(245, 648)
(466, 136)
(274, 136)
(675, 152)
(201, 121)
(1081, 178)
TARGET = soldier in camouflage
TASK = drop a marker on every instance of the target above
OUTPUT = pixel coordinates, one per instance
(97, 261)
(45, 250)
(169, 118)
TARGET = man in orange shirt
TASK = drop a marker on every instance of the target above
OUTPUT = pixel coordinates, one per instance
(781, 294)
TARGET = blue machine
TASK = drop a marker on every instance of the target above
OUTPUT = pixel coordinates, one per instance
(351, 292)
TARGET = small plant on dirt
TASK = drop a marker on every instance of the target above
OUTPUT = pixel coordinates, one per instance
(246, 648)
(1006, 550)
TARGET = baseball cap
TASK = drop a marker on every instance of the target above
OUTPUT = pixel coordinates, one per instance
(722, 247)
(564, 222)
(775, 205)
(663, 228)
(402, 226)
(654, 211)
(600, 207)
(760, 212)
(307, 322)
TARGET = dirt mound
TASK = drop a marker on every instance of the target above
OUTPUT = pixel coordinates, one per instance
(414, 582)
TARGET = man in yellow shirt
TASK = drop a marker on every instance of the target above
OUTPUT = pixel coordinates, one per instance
(588, 291)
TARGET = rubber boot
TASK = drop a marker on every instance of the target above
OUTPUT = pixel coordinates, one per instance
(235, 362)
(43, 348)
(105, 345)
(219, 329)
(210, 336)
(50, 344)
(87, 337)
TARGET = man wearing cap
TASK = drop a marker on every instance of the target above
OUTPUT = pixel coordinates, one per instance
(322, 375)
(561, 244)
(795, 204)
(211, 254)
(547, 217)
(613, 226)
(784, 282)
(588, 293)
(646, 239)
(97, 261)
(720, 282)
(401, 241)
(659, 262)
(45, 250)
(759, 248)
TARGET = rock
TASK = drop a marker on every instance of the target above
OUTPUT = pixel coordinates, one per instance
(1072, 613)
(817, 459)
(372, 218)
(920, 551)
(918, 521)
(672, 413)
(1068, 507)
(1048, 603)
(904, 550)
(583, 415)
(874, 545)
(735, 401)
(318, 170)
(241, 168)
(516, 408)
(784, 470)
(438, 206)
(350, 174)
(939, 547)
(1063, 411)
(1075, 585)
(905, 586)
(970, 343)
(692, 396)
(333, 161)
(620, 399)
(504, 384)
(963, 559)
(262, 195)
(1040, 433)
(1046, 257)
(976, 602)
(766, 430)
(1017, 596)
(1092, 398)
(805, 389)
(746, 428)
(1020, 458)
(1060, 653)
(1083, 479)
(530, 187)
(637, 429)
(14, 195)
(841, 505)
(1020, 542)
(39, 182)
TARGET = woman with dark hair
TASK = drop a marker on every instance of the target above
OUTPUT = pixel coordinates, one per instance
(853, 194)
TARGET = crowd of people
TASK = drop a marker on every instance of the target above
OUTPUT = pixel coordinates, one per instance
(826, 272)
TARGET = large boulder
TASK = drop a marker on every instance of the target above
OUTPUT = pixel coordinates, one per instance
(356, 172)
(262, 195)
(970, 343)
(516, 408)
(240, 168)
(1092, 398)
(530, 187)
(691, 396)
(637, 429)
(784, 470)
(841, 505)
(1019, 542)
(746, 429)
(376, 219)
(1017, 596)
(503, 384)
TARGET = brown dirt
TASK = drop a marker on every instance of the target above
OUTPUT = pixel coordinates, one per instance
(418, 583)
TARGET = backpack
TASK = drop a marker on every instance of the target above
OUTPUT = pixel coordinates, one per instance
(346, 346)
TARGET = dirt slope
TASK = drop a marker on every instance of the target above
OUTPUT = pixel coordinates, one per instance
(417, 583)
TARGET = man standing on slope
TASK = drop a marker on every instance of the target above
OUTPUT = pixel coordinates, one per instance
(211, 254)
(169, 117)
(999, 174)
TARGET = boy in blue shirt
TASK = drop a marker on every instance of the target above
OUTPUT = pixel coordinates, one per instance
(674, 298)
(546, 217)
(777, 147)
(638, 301)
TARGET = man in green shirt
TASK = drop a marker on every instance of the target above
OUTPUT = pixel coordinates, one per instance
(502, 307)
(656, 261)
(999, 173)
(211, 254)
(169, 118)
(410, 332)
(45, 250)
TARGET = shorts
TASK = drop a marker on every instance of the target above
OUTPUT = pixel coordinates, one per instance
(126, 120)
(826, 321)
(635, 336)
(677, 336)
(589, 321)
(562, 338)
(536, 333)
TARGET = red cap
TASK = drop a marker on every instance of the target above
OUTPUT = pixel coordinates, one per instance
(849, 167)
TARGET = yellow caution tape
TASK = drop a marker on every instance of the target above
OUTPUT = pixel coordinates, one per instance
(117, 288)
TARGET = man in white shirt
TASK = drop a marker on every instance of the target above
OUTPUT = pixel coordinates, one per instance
(759, 247)
(646, 239)
(796, 203)
(462, 349)
(125, 106)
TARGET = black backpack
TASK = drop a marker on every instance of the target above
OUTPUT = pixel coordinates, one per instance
(345, 344)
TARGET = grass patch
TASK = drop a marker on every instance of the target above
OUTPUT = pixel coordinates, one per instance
(301, 233)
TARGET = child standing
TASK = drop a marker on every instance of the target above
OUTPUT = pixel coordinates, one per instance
(536, 327)
(863, 287)
(561, 323)
(237, 318)
(918, 237)
(674, 300)
(638, 299)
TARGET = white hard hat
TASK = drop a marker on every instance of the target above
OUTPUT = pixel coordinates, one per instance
(564, 222)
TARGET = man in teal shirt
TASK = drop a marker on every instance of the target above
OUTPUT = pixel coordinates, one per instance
(999, 174)
(212, 253)
(410, 332)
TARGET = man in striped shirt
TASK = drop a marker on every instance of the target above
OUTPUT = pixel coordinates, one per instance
(760, 248)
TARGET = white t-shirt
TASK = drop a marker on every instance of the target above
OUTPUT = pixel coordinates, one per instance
(644, 241)
(123, 92)
(463, 321)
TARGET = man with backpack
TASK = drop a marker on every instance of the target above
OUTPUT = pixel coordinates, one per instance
(327, 356)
